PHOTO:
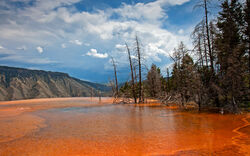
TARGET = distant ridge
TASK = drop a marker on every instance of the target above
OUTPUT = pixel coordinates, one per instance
(20, 83)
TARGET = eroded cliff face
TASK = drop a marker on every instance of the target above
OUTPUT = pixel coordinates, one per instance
(18, 83)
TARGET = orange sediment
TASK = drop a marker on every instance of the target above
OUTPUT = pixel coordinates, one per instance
(81, 126)
(14, 128)
(15, 122)
(243, 136)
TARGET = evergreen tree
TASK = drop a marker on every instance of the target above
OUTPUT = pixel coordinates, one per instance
(247, 35)
(154, 81)
(230, 52)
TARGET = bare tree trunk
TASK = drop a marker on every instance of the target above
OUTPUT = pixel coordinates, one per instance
(99, 93)
(208, 38)
(168, 83)
(142, 94)
(182, 99)
(139, 63)
(135, 76)
(199, 101)
(235, 106)
(212, 32)
(205, 46)
(132, 74)
(200, 51)
(116, 81)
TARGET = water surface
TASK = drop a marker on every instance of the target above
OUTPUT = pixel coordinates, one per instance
(81, 126)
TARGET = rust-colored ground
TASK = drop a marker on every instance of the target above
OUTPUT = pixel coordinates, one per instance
(84, 126)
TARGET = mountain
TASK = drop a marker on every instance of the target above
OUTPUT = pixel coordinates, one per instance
(19, 83)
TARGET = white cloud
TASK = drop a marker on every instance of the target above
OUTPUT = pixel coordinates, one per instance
(173, 2)
(86, 44)
(94, 53)
(23, 47)
(181, 31)
(1, 47)
(152, 11)
(31, 60)
(39, 49)
(119, 46)
(47, 5)
(63, 45)
(77, 42)
(52, 22)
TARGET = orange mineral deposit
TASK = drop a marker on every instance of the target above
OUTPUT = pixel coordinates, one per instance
(85, 126)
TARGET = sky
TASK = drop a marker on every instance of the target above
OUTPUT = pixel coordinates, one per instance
(79, 37)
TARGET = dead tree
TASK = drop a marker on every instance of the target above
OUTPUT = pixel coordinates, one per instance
(116, 81)
(204, 4)
(138, 50)
(198, 40)
(168, 81)
(208, 37)
(132, 73)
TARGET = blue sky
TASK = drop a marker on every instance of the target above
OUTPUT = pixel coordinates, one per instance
(79, 36)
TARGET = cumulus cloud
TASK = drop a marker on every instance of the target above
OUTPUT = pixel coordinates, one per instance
(63, 45)
(87, 44)
(23, 47)
(173, 2)
(31, 60)
(17, 57)
(77, 42)
(53, 23)
(1, 47)
(39, 49)
(119, 46)
(181, 31)
(94, 53)
(152, 11)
